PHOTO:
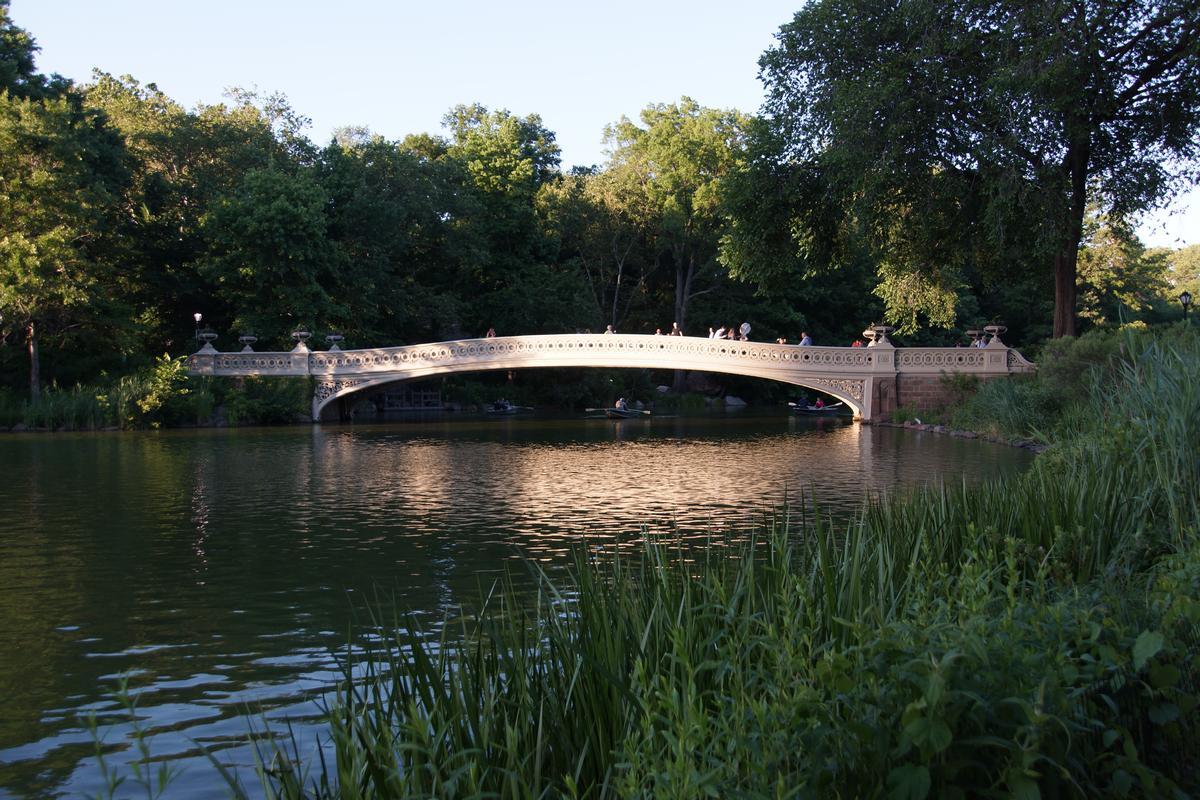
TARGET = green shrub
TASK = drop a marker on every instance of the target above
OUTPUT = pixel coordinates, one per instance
(268, 401)
(163, 388)
(1019, 406)
(11, 408)
(159, 395)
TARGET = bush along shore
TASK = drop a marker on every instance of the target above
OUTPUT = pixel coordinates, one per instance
(163, 395)
(1033, 410)
(1031, 637)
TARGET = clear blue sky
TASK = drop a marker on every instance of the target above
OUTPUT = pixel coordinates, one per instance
(396, 67)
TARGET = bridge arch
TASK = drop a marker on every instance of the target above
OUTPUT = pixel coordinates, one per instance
(340, 389)
(331, 390)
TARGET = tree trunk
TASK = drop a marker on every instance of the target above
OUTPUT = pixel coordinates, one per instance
(35, 363)
(683, 285)
(680, 292)
(612, 314)
(1066, 260)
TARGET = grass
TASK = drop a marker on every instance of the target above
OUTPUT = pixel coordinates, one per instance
(1036, 635)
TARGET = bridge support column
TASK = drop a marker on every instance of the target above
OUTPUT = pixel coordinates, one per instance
(879, 390)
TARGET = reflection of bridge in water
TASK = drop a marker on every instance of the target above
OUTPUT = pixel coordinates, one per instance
(872, 380)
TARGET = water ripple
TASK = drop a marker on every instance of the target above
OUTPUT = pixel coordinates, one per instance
(215, 572)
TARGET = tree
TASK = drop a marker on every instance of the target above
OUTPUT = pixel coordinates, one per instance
(18, 74)
(681, 155)
(999, 119)
(1184, 271)
(183, 164)
(393, 210)
(504, 160)
(61, 172)
(1118, 277)
(602, 222)
(271, 259)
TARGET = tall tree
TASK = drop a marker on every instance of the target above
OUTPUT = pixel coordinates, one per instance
(681, 155)
(1184, 271)
(394, 210)
(272, 260)
(183, 164)
(61, 174)
(505, 160)
(602, 221)
(1005, 118)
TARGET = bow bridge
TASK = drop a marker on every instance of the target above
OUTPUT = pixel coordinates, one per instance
(872, 380)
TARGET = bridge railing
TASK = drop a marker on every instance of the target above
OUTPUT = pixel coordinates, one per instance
(682, 352)
(692, 352)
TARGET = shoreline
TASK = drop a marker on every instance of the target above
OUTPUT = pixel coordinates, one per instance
(1025, 444)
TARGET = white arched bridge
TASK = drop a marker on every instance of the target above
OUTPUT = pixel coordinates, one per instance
(872, 380)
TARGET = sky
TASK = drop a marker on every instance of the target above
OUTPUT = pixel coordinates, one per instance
(397, 67)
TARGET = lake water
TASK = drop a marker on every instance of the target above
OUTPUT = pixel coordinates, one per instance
(219, 572)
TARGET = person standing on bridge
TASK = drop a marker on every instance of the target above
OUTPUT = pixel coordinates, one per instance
(609, 329)
(675, 331)
(491, 333)
(805, 339)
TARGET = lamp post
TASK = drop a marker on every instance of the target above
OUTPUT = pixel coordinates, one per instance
(197, 316)
(1185, 300)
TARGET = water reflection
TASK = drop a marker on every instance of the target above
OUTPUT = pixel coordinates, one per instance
(220, 570)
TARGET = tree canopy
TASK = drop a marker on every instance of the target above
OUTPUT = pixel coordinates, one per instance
(915, 161)
(679, 158)
(972, 137)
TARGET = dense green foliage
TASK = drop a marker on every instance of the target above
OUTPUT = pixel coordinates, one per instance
(122, 213)
(962, 145)
(161, 395)
(1034, 636)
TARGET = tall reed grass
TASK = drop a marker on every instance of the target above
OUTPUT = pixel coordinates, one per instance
(1031, 636)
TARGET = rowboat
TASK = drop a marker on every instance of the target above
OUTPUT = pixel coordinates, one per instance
(503, 407)
(831, 410)
(625, 413)
(619, 413)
